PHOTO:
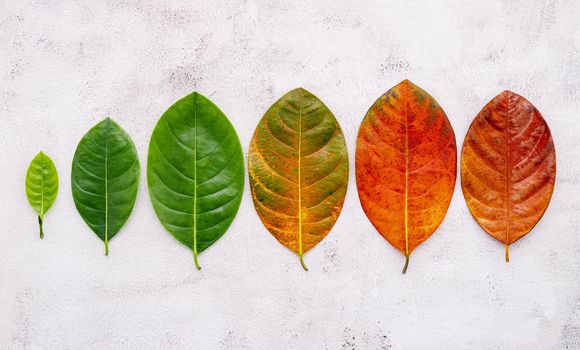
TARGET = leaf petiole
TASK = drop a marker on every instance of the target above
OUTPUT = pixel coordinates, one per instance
(195, 259)
(406, 263)
(40, 224)
(302, 263)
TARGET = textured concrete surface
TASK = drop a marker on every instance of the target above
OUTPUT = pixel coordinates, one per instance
(66, 65)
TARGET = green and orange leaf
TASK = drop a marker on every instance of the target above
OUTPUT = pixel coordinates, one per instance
(406, 160)
(298, 166)
(508, 167)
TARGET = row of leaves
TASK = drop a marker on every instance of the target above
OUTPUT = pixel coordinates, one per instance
(406, 160)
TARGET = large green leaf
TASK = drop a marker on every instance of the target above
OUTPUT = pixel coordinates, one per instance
(105, 177)
(41, 186)
(195, 172)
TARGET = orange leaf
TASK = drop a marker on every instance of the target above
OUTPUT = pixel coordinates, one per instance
(298, 168)
(508, 167)
(406, 164)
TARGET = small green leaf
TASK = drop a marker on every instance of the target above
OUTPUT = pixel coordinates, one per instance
(41, 186)
(195, 172)
(105, 178)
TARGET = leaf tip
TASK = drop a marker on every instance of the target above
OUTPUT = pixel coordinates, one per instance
(40, 156)
(407, 82)
(107, 122)
(300, 90)
(507, 94)
(197, 97)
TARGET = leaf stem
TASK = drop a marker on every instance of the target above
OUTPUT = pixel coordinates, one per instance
(106, 246)
(507, 253)
(195, 259)
(406, 263)
(40, 224)
(302, 263)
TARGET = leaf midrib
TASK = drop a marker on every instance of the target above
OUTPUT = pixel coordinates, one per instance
(42, 188)
(195, 181)
(508, 177)
(300, 247)
(406, 180)
(107, 129)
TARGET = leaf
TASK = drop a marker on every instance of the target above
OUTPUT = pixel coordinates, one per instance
(298, 170)
(195, 172)
(41, 186)
(105, 178)
(406, 161)
(508, 167)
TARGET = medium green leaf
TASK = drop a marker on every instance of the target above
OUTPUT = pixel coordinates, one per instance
(195, 172)
(105, 178)
(41, 186)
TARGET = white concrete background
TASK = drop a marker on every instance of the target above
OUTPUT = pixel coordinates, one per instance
(66, 65)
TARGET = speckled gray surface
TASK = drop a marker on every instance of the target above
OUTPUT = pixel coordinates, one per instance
(66, 65)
